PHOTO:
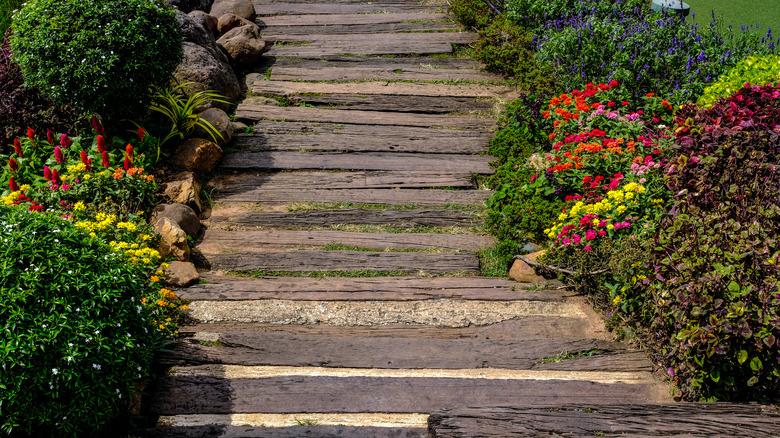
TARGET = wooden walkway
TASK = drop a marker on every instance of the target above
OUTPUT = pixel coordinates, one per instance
(355, 224)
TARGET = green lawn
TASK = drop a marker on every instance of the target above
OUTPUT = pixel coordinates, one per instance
(739, 12)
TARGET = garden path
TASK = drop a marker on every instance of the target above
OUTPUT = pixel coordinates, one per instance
(369, 173)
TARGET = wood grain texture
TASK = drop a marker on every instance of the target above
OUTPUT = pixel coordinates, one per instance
(643, 420)
(225, 431)
(226, 288)
(326, 50)
(370, 42)
(262, 9)
(357, 29)
(190, 395)
(450, 163)
(361, 142)
(340, 261)
(339, 180)
(383, 88)
(216, 241)
(406, 197)
(348, 19)
(323, 218)
(281, 349)
(407, 104)
(254, 113)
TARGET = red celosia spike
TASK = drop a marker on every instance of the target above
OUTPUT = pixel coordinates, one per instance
(104, 159)
(13, 165)
(18, 148)
(101, 143)
(12, 185)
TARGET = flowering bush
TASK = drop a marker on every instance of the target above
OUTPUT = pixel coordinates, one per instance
(716, 287)
(79, 324)
(102, 56)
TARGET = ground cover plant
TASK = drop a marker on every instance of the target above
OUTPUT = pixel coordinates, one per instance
(602, 176)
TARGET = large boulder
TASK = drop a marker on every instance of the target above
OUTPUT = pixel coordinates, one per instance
(181, 274)
(197, 155)
(195, 31)
(208, 22)
(220, 121)
(173, 240)
(207, 73)
(187, 6)
(228, 22)
(243, 45)
(183, 188)
(242, 8)
(184, 216)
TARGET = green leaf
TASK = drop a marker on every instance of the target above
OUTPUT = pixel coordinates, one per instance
(742, 356)
(756, 365)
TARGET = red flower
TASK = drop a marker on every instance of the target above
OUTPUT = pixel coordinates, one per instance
(30, 133)
(47, 173)
(625, 103)
(65, 142)
(101, 143)
(129, 151)
(18, 147)
(12, 185)
(650, 94)
(50, 137)
(55, 177)
(97, 126)
(13, 165)
(613, 83)
(127, 164)
(58, 155)
(86, 160)
(104, 159)
(610, 104)
(141, 133)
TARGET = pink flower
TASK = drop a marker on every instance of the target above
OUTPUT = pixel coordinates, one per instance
(590, 234)
(587, 248)
(55, 177)
(58, 155)
(65, 142)
(97, 126)
(50, 137)
(576, 238)
(533, 178)
(65, 187)
(47, 173)
(566, 241)
(602, 233)
(694, 159)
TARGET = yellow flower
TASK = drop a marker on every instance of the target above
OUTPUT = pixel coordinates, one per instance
(168, 319)
(79, 206)
(24, 187)
(185, 307)
(162, 327)
(87, 176)
(610, 227)
(164, 265)
(92, 234)
(616, 300)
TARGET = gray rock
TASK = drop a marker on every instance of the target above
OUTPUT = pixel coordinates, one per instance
(208, 73)
(193, 31)
(184, 216)
(187, 6)
(207, 21)
(197, 155)
(243, 45)
(242, 8)
(183, 188)
(181, 274)
(260, 100)
(239, 127)
(219, 120)
(251, 78)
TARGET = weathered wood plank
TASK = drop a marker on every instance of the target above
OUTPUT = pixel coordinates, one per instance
(373, 62)
(365, 29)
(324, 50)
(529, 327)
(667, 420)
(407, 104)
(380, 161)
(389, 74)
(227, 431)
(263, 9)
(338, 2)
(255, 113)
(227, 288)
(324, 218)
(348, 19)
(183, 395)
(338, 180)
(281, 349)
(217, 241)
(372, 41)
(286, 88)
(406, 197)
(404, 141)
(341, 261)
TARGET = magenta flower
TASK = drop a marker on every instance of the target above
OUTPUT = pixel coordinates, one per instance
(58, 155)
(65, 142)
(587, 248)
(47, 173)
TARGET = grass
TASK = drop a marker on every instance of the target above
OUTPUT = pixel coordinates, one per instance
(567, 355)
(356, 228)
(336, 246)
(491, 264)
(738, 12)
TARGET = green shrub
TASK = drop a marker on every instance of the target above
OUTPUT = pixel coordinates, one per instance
(102, 55)
(7, 7)
(474, 14)
(507, 49)
(75, 334)
(717, 288)
(754, 70)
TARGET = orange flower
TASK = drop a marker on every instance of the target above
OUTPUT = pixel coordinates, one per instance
(650, 94)
(557, 123)
(155, 278)
(575, 116)
(118, 173)
(578, 166)
(552, 135)
(185, 307)
(546, 114)
(664, 102)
